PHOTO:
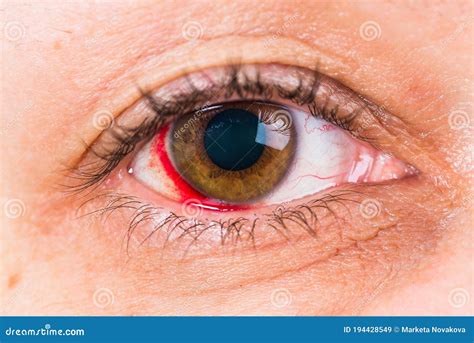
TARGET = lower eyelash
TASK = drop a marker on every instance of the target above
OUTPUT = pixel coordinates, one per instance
(231, 231)
(305, 215)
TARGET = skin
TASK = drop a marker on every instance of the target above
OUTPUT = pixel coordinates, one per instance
(73, 60)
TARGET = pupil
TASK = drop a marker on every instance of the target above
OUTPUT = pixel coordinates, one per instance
(230, 139)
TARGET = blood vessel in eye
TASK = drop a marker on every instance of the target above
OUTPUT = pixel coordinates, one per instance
(185, 190)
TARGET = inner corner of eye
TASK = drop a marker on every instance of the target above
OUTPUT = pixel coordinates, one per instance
(240, 154)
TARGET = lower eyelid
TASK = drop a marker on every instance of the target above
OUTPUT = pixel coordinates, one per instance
(371, 230)
(192, 230)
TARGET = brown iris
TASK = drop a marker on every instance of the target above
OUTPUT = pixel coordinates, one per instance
(236, 151)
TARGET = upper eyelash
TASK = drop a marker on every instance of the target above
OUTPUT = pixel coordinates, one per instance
(125, 139)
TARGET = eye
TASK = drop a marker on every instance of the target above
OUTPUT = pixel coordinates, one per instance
(231, 153)
(286, 134)
(255, 153)
(239, 153)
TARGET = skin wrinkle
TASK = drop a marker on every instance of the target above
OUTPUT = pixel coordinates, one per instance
(287, 273)
(411, 70)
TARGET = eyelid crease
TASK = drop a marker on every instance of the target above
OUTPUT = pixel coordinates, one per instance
(303, 88)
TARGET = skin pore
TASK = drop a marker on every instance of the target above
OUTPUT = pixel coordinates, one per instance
(73, 60)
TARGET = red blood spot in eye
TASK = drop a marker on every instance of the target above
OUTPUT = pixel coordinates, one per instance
(186, 192)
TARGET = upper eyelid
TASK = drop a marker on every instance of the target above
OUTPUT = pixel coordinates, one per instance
(172, 102)
(166, 102)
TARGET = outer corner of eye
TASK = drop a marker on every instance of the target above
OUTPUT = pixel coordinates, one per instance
(233, 155)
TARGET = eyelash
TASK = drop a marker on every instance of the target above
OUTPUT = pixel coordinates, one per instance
(306, 216)
(125, 139)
